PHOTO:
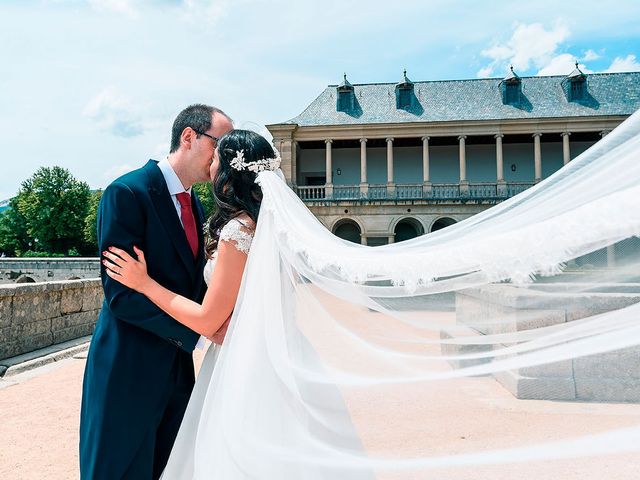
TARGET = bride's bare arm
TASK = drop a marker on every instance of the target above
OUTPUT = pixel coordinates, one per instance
(218, 302)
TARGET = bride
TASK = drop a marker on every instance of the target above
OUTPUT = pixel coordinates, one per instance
(410, 360)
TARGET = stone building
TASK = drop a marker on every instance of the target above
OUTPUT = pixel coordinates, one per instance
(385, 162)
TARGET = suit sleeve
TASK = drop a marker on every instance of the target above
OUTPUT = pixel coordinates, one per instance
(121, 224)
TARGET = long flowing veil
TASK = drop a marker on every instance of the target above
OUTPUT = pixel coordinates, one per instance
(504, 346)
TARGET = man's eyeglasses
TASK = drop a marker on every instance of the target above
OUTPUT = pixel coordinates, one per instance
(215, 139)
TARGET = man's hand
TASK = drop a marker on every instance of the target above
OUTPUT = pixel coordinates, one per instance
(218, 337)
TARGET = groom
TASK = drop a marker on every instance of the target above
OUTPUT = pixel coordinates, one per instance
(139, 373)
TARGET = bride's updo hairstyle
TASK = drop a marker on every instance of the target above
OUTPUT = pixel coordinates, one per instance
(236, 191)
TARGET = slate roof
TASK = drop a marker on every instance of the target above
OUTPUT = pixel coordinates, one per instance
(478, 99)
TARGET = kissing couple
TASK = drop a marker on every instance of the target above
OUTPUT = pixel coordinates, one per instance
(139, 374)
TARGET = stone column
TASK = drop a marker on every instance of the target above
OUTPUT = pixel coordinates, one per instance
(604, 133)
(537, 157)
(364, 186)
(294, 163)
(363, 239)
(500, 183)
(392, 238)
(328, 189)
(464, 184)
(391, 187)
(566, 151)
(390, 160)
(284, 145)
(426, 179)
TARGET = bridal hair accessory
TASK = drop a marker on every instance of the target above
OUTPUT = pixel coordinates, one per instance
(258, 166)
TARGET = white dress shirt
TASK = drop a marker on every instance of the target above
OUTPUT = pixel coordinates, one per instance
(173, 184)
(175, 187)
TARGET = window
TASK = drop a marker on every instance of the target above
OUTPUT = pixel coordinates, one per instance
(577, 90)
(404, 97)
(345, 101)
(512, 93)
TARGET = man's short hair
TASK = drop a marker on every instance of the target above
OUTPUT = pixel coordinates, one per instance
(199, 117)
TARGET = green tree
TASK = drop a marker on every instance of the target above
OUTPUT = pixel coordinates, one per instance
(91, 223)
(203, 190)
(54, 205)
(14, 239)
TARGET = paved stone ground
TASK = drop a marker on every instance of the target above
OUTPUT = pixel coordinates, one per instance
(40, 411)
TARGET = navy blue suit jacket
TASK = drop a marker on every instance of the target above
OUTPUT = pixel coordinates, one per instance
(139, 356)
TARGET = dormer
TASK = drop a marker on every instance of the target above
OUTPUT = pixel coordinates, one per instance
(346, 96)
(511, 88)
(404, 93)
(575, 85)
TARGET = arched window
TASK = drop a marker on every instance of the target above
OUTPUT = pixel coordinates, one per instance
(406, 229)
(348, 230)
(442, 223)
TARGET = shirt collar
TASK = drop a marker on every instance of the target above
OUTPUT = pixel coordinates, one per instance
(171, 178)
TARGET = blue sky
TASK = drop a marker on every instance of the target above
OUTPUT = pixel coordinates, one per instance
(94, 85)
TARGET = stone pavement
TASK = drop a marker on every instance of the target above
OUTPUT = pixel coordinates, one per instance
(40, 410)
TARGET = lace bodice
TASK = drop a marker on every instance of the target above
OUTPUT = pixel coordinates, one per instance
(239, 233)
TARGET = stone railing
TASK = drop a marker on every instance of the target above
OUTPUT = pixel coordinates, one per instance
(47, 269)
(430, 192)
(36, 315)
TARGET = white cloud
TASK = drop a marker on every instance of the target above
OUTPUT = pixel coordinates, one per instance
(212, 11)
(161, 150)
(114, 112)
(590, 55)
(122, 7)
(485, 72)
(529, 45)
(626, 64)
(562, 64)
(116, 171)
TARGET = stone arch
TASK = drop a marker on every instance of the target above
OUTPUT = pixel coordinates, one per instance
(348, 229)
(406, 228)
(25, 279)
(441, 223)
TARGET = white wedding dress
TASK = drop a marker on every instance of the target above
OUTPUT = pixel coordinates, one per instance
(464, 353)
(180, 464)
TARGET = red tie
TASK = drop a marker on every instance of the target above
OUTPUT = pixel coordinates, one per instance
(188, 221)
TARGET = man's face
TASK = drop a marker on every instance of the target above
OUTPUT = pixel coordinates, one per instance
(215, 164)
(205, 146)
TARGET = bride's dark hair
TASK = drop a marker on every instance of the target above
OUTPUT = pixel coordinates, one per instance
(235, 191)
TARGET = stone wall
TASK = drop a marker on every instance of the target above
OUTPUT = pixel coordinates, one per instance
(37, 315)
(498, 309)
(47, 269)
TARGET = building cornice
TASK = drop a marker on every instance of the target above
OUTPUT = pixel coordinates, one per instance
(446, 129)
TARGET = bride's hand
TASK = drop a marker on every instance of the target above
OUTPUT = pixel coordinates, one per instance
(125, 269)
(218, 337)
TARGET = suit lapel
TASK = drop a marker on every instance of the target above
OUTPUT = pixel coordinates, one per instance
(166, 210)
